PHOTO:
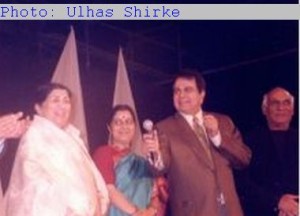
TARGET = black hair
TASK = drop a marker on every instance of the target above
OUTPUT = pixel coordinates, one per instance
(188, 73)
(122, 107)
(43, 91)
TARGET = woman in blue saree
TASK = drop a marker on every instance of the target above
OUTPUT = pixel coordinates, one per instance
(133, 190)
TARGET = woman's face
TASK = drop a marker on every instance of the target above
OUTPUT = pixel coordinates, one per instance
(122, 128)
(56, 107)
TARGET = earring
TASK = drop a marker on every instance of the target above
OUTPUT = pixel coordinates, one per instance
(110, 139)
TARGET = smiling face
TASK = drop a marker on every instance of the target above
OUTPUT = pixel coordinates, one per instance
(56, 107)
(122, 128)
(186, 96)
(278, 109)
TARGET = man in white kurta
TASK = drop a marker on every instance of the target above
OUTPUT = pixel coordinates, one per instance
(53, 175)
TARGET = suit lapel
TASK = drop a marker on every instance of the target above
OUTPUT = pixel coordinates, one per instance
(191, 139)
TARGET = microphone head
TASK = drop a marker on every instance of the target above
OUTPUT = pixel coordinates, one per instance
(148, 125)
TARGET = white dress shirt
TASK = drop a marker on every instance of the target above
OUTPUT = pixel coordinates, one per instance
(216, 140)
(1, 145)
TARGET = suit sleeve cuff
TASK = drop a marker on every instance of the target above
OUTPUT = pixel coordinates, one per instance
(216, 140)
(157, 162)
(1, 145)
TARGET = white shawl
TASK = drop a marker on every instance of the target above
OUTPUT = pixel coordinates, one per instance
(53, 175)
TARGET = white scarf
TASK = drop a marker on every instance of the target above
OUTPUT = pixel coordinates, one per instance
(54, 175)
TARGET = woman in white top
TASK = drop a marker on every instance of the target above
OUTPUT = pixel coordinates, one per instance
(53, 174)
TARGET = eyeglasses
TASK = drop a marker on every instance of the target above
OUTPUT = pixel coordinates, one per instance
(119, 122)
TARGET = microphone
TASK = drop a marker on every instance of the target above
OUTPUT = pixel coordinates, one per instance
(148, 127)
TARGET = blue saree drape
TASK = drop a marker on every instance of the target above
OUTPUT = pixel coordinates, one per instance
(134, 180)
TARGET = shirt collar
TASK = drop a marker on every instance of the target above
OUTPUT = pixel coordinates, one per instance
(189, 118)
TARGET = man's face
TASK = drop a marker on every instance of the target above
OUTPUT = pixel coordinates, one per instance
(280, 108)
(186, 96)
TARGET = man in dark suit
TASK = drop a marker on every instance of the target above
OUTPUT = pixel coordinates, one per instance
(11, 126)
(270, 185)
(197, 150)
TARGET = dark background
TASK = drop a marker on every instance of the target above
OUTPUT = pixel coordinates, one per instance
(240, 61)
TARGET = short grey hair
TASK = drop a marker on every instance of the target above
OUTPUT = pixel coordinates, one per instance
(265, 97)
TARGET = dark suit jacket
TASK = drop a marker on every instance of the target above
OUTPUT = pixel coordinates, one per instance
(7, 157)
(273, 170)
(194, 183)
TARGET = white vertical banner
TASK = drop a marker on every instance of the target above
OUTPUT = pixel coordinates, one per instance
(123, 95)
(67, 73)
